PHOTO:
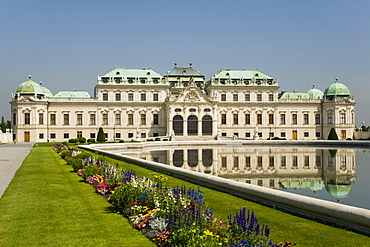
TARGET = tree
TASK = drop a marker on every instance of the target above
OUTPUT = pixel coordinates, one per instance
(101, 135)
(333, 135)
(3, 125)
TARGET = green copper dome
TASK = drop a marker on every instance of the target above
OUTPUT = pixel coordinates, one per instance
(30, 88)
(337, 89)
(316, 93)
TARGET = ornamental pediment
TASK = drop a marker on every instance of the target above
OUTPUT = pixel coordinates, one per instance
(193, 95)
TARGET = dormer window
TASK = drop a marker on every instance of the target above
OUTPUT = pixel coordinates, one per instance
(117, 73)
(148, 73)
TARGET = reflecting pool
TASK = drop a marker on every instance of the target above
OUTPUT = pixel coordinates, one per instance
(333, 174)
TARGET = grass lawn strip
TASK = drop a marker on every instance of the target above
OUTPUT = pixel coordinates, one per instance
(47, 205)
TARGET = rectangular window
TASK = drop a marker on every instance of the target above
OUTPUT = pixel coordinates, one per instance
(247, 134)
(294, 118)
(282, 118)
(295, 161)
(223, 97)
(27, 118)
(143, 119)
(105, 96)
(66, 119)
(41, 118)
(41, 135)
(118, 135)
(155, 97)
(223, 118)
(155, 119)
(247, 97)
(118, 96)
(259, 97)
(247, 118)
(248, 161)
(92, 135)
(306, 134)
(272, 183)
(282, 134)
(235, 97)
(79, 134)
(130, 119)
(53, 136)
(223, 162)
(260, 182)
(259, 161)
(283, 161)
(271, 161)
(130, 97)
(235, 119)
(143, 97)
(53, 119)
(271, 97)
(92, 119)
(330, 118)
(259, 118)
(118, 119)
(130, 135)
(105, 118)
(79, 119)
(271, 118)
(236, 161)
(14, 118)
(318, 134)
(318, 160)
(305, 119)
(317, 118)
(342, 118)
(307, 161)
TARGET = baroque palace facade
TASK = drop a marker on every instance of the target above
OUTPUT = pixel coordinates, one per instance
(139, 104)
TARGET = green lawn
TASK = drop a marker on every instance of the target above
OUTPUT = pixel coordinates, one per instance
(47, 205)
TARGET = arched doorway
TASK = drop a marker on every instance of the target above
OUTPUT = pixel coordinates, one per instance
(192, 125)
(178, 125)
(207, 125)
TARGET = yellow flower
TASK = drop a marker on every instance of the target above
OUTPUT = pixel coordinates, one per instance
(208, 233)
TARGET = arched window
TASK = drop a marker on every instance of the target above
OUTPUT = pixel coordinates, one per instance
(178, 126)
(178, 158)
(193, 157)
(207, 125)
(207, 157)
(192, 125)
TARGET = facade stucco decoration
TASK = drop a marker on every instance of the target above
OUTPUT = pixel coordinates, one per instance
(182, 105)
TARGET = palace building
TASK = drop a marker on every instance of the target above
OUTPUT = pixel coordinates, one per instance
(140, 104)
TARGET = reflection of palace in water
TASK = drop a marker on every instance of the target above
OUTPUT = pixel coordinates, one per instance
(277, 168)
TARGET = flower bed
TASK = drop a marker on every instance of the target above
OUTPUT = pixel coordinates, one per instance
(168, 216)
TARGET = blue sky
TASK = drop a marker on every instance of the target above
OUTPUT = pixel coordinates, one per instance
(67, 44)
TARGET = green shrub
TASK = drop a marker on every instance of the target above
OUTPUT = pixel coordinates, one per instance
(101, 135)
(349, 139)
(121, 141)
(75, 162)
(91, 170)
(65, 143)
(333, 135)
(73, 140)
(90, 140)
(165, 140)
(149, 140)
(157, 139)
(82, 140)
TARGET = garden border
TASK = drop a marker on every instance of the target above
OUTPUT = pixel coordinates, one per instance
(348, 216)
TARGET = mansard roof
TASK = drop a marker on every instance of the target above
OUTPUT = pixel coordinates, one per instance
(72, 94)
(184, 71)
(237, 74)
(133, 73)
